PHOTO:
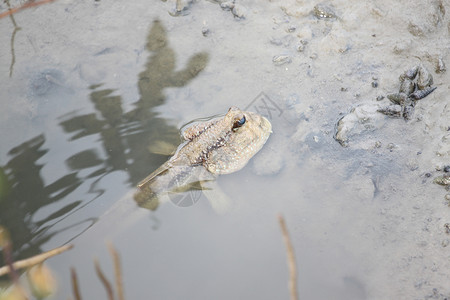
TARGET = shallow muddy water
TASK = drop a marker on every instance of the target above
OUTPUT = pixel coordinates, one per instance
(94, 93)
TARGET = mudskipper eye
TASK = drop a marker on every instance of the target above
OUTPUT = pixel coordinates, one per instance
(238, 123)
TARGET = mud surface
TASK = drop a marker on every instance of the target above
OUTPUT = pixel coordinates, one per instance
(92, 91)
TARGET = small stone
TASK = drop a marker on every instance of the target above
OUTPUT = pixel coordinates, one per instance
(413, 166)
(447, 169)
(391, 146)
(380, 97)
(440, 66)
(205, 32)
(443, 180)
(300, 47)
(291, 28)
(228, 5)
(357, 123)
(447, 228)
(279, 60)
(374, 84)
(239, 11)
(322, 11)
(445, 243)
(344, 89)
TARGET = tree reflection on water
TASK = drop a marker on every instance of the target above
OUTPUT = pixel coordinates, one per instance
(124, 140)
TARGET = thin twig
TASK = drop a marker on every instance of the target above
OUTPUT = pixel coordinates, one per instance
(13, 54)
(117, 271)
(28, 262)
(13, 36)
(75, 288)
(26, 5)
(104, 281)
(291, 259)
(10, 266)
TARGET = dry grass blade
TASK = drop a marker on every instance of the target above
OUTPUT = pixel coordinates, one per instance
(75, 288)
(291, 259)
(117, 271)
(28, 262)
(26, 5)
(104, 281)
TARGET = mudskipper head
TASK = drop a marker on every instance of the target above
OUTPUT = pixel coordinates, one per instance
(248, 132)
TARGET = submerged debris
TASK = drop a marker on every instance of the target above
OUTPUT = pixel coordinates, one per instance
(360, 120)
(239, 11)
(181, 8)
(443, 180)
(228, 5)
(322, 11)
(440, 66)
(415, 84)
(279, 60)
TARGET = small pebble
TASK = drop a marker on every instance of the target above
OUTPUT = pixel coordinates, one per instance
(229, 5)
(447, 228)
(205, 32)
(374, 84)
(291, 28)
(322, 11)
(391, 146)
(380, 97)
(239, 11)
(279, 60)
(440, 66)
(447, 169)
(300, 47)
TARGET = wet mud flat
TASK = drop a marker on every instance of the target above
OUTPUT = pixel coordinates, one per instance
(364, 193)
